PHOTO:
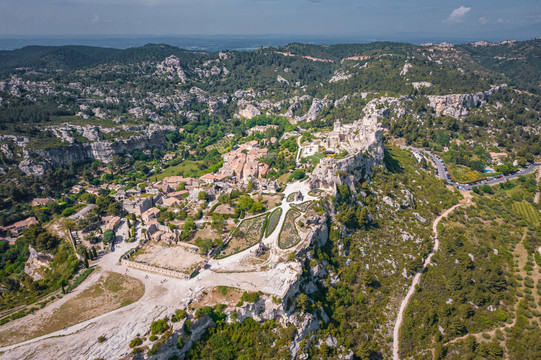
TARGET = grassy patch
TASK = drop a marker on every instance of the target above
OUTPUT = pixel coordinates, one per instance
(247, 234)
(302, 207)
(185, 168)
(289, 236)
(527, 212)
(273, 221)
(460, 173)
(314, 159)
(291, 197)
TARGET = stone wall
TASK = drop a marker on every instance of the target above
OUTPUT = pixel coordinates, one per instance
(154, 269)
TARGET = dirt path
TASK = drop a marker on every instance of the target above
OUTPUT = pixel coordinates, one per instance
(417, 278)
(104, 294)
(298, 157)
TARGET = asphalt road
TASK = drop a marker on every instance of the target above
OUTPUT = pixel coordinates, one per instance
(443, 173)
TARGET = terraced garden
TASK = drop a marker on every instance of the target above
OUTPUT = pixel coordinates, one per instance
(527, 212)
(291, 197)
(247, 234)
(274, 218)
(289, 235)
(302, 207)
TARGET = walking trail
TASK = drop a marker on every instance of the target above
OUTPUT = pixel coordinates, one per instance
(417, 278)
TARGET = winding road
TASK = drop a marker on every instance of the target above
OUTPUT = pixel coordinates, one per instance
(415, 281)
(443, 173)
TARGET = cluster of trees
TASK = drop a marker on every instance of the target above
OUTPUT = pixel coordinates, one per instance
(205, 245)
(246, 340)
(18, 288)
(39, 238)
(247, 204)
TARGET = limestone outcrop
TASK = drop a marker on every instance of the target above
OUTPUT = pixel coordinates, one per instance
(249, 111)
(315, 109)
(457, 105)
(36, 262)
(172, 66)
(362, 144)
(37, 161)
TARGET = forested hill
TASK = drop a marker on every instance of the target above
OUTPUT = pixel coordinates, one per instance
(75, 57)
(516, 63)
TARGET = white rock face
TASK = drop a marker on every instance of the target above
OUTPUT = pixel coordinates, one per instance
(172, 66)
(421, 84)
(249, 111)
(315, 109)
(281, 79)
(35, 262)
(405, 69)
(363, 142)
(457, 105)
(37, 161)
(340, 75)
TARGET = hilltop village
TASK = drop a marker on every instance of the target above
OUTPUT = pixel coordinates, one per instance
(369, 201)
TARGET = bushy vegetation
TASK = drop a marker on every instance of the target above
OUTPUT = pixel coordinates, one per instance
(472, 288)
(19, 288)
(248, 340)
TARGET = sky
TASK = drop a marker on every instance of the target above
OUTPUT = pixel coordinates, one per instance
(490, 19)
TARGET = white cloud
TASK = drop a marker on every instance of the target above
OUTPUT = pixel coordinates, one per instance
(95, 19)
(483, 20)
(457, 15)
(503, 21)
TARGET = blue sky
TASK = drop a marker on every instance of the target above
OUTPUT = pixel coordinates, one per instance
(384, 18)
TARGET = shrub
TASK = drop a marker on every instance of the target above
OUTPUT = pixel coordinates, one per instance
(136, 342)
(101, 339)
(250, 297)
(179, 315)
(159, 326)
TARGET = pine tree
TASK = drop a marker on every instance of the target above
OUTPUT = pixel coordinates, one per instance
(86, 263)
(94, 254)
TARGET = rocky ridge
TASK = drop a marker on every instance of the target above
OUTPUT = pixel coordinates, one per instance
(36, 161)
(457, 105)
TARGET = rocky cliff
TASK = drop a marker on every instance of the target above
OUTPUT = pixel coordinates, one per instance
(457, 105)
(360, 146)
(37, 161)
(36, 262)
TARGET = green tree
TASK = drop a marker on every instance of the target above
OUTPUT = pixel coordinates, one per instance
(109, 236)
(203, 196)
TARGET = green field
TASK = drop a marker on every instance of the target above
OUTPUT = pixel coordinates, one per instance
(220, 145)
(247, 234)
(273, 221)
(314, 159)
(527, 212)
(289, 236)
(185, 168)
(464, 174)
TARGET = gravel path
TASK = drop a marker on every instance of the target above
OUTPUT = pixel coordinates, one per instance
(415, 281)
